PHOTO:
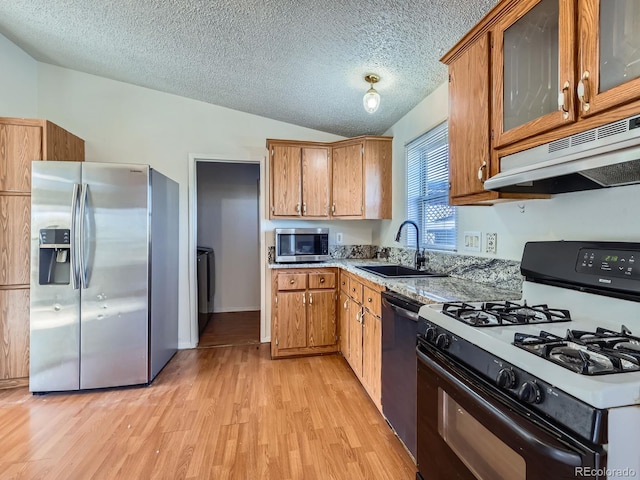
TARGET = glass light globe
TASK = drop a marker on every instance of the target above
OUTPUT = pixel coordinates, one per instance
(371, 100)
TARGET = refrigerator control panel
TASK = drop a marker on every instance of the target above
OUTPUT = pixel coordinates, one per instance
(55, 236)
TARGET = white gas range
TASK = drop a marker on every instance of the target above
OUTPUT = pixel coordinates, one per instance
(567, 356)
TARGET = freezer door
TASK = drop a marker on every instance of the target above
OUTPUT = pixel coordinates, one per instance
(114, 226)
(55, 304)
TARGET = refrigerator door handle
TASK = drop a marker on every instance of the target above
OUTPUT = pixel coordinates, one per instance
(74, 241)
(82, 243)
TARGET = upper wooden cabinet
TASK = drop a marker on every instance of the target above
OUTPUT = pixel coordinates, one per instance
(469, 131)
(609, 54)
(361, 186)
(21, 141)
(533, 66)
(299, 180)
(551, 68)
(350, 179)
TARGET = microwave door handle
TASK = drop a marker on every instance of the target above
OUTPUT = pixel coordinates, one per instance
(534, 442)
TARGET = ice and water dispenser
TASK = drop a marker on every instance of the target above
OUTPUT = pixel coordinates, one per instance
(55, 256)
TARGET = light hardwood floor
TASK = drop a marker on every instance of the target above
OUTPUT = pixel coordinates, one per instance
(231, 328)
(218, 413)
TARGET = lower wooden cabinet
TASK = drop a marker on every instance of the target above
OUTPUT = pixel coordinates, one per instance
(304, 320)
(14, 334)
(360, 321)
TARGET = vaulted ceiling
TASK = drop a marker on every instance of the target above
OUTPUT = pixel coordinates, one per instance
(298, 61)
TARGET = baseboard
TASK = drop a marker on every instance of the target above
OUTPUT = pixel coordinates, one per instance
(14, 383)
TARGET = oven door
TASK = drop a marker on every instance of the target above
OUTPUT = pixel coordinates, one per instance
(468, 429)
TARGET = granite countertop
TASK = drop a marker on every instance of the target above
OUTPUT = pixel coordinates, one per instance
(424, 290)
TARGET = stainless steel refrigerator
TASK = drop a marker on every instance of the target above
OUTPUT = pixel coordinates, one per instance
(104, 275)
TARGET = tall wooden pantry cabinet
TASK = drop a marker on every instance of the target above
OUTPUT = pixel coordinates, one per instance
(21, 141)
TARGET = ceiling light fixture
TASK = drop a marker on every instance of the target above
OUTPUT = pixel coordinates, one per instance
(371, 99)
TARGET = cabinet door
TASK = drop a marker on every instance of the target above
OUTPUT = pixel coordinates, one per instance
(343, 320)
(609, 54)
(315, 182)
(533, 62)
(469, 96)
(372, 356)
(291, 320)
(14, 333)
(355, 337)
(285, 181)
(347, 181)
(321, 318)
(19, 145)
(15, 224)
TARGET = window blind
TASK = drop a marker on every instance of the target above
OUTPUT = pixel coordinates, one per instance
(428, 190)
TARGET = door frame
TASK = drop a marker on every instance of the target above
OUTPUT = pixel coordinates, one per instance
(193, 237)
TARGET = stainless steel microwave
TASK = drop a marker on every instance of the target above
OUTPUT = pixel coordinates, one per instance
(302, 245)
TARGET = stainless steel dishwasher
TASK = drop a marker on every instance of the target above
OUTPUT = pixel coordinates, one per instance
(399, 338)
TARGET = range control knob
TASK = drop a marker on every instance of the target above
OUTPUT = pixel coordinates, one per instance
(430, 334)
(530, 392)
(506, 378)
(443, 341)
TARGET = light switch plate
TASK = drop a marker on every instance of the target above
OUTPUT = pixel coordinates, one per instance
(472, 241)
(339, 239)
(492, 243)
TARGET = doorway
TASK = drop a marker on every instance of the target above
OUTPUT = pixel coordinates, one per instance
(228, 253)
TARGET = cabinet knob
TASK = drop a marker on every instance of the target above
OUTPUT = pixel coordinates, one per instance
(321, 279)
(298, 208)
(304, 208)
(563, 100)
(310, 299)
(292, 281)
(353, 289)
(346, 304)
(369, 299)
(583, 91)
(481, 171)
(333, 208)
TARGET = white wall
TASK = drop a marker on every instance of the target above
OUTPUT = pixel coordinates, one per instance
(228, 222)
(607, 214)
(18, 82)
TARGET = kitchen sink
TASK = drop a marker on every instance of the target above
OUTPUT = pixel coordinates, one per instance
(398, 271)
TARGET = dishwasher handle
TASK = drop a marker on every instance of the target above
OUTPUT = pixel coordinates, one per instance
(401, 311)
(401, 305)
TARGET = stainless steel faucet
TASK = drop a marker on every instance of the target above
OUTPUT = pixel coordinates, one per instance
(419, 260)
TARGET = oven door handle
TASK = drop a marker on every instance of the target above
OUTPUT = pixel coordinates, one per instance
(537, 444)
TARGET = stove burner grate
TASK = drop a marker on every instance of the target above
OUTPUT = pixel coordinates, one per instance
(491, 314)
(588, 353)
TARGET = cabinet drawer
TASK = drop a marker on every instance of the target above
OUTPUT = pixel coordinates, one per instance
(322, 280)
(292, 281)
(344, 281)
(372, 301)
(355, 290)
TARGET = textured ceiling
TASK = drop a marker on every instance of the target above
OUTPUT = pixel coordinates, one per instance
(299, 61)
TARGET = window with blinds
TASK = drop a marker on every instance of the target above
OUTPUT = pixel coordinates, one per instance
(428, 190)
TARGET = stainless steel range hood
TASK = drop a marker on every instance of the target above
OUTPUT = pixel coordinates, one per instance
(607, 156)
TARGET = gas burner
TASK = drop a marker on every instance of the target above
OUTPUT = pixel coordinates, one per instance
(588, 353)
(493, 314)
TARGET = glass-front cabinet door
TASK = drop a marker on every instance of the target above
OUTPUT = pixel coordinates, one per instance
(533, 69)
(609, 63)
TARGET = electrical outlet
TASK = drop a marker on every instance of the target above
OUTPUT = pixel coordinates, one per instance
(472, 241)
(339, 239)
(492, 243)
